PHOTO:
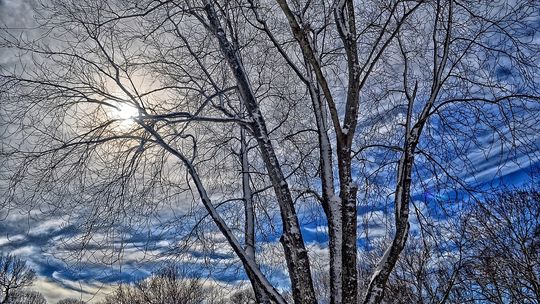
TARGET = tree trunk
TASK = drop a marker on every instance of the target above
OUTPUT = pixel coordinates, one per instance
(375, 292)
(260, 295)
(246, 260)
(6, 296)
(293, 243)
(331, 202)
(348, 191)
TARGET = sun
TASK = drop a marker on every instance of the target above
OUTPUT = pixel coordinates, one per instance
(126, 111)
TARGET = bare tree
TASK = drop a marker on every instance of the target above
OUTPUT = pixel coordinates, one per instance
(71, 301)
(431, 269)
(243, 297)
(14, 275)
(504, 263)
(167, 286)
(27, 297)
(118, 108)
(485, 254)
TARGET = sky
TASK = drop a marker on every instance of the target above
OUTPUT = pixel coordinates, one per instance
(44, 241)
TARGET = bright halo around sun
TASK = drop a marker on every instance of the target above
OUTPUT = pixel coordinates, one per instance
(124, 112)
(127, 111)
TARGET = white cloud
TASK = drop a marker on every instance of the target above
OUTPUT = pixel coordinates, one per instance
(54, 291)
(47, 226)
(6, 240)
(24, 251)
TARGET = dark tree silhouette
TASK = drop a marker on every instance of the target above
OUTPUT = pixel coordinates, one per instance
(504, 257)
(14, 275)
(25, 296)
(71, 301)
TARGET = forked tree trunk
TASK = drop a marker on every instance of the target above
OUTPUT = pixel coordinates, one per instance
(331, 203)
(296, 254)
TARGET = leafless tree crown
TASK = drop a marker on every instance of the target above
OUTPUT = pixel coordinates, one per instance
(115, 113)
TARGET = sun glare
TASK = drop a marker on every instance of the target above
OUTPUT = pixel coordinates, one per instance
(126, 111)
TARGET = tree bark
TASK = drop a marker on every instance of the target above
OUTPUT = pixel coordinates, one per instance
(331, 203)
(348, 191)
(292, 241)
(249, 233)
(341, 213)
(375, 291)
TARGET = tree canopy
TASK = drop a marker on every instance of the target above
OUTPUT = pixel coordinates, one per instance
(117, 114)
